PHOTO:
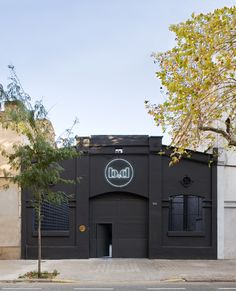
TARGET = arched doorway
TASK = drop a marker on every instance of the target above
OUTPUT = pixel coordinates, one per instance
(118, 226)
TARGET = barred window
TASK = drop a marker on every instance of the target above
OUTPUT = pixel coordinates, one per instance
(185, 213)
(55, 217)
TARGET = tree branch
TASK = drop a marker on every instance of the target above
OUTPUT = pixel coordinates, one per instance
(221, 132)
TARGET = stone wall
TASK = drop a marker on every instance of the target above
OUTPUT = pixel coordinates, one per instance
(10, 222)
(10, 198)
(10, 204)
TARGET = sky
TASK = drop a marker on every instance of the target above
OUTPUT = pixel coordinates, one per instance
(91, 59)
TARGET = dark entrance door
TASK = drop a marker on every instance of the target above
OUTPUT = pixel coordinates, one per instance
(127, 215)
(104, 239)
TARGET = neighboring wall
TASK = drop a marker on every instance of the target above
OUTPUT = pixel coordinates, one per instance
(10, 198)
(10, 205)
(226, 204)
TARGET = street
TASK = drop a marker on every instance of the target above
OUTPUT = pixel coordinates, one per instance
(118, 287)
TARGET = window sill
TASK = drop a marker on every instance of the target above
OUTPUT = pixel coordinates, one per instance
(186, 233)
(52, 233)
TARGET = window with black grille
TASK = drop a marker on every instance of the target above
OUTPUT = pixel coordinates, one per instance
(55, 217)
(185, 213)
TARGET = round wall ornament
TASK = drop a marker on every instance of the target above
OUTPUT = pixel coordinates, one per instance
(82, 228)
(119, 172)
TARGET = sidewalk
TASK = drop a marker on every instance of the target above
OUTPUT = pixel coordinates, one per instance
(125, 270)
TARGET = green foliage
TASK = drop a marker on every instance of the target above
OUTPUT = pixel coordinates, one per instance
(44, 275)
(37, 159)
(199, 80)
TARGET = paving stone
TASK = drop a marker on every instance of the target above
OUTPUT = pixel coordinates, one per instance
(108, 270)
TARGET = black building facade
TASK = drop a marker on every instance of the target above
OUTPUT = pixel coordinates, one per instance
(129, 204)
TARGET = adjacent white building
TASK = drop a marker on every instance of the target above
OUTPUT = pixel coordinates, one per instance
(226, 214)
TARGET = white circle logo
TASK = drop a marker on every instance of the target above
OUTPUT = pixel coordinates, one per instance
(119, 173)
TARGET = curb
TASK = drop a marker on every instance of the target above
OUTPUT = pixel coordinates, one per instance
(166, 281)
(198, 280)
(210, 280)
(38, 281)
(173, 280)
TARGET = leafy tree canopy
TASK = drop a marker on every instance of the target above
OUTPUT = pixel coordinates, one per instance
(36, 160)
(198, 76)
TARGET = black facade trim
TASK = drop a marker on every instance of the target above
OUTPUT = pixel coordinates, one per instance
(193, 155)
(133, 218)
(51, 233)
(186, 233)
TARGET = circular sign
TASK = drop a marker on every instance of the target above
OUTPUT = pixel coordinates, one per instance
(119, 173)
(82, 228)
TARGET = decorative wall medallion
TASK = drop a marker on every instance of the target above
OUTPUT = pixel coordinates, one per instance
(82, 228)
(186, 181)
(119, 173)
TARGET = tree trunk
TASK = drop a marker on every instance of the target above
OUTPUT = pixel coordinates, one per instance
(39, 241)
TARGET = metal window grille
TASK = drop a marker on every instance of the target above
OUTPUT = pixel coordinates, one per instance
(185, 213)
(55, 217)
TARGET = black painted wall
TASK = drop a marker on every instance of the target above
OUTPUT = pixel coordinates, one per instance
(138, 212)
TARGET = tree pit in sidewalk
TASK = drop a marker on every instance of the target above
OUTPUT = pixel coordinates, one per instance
(43, 275)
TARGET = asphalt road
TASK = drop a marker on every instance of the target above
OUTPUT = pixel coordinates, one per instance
(128, 287)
